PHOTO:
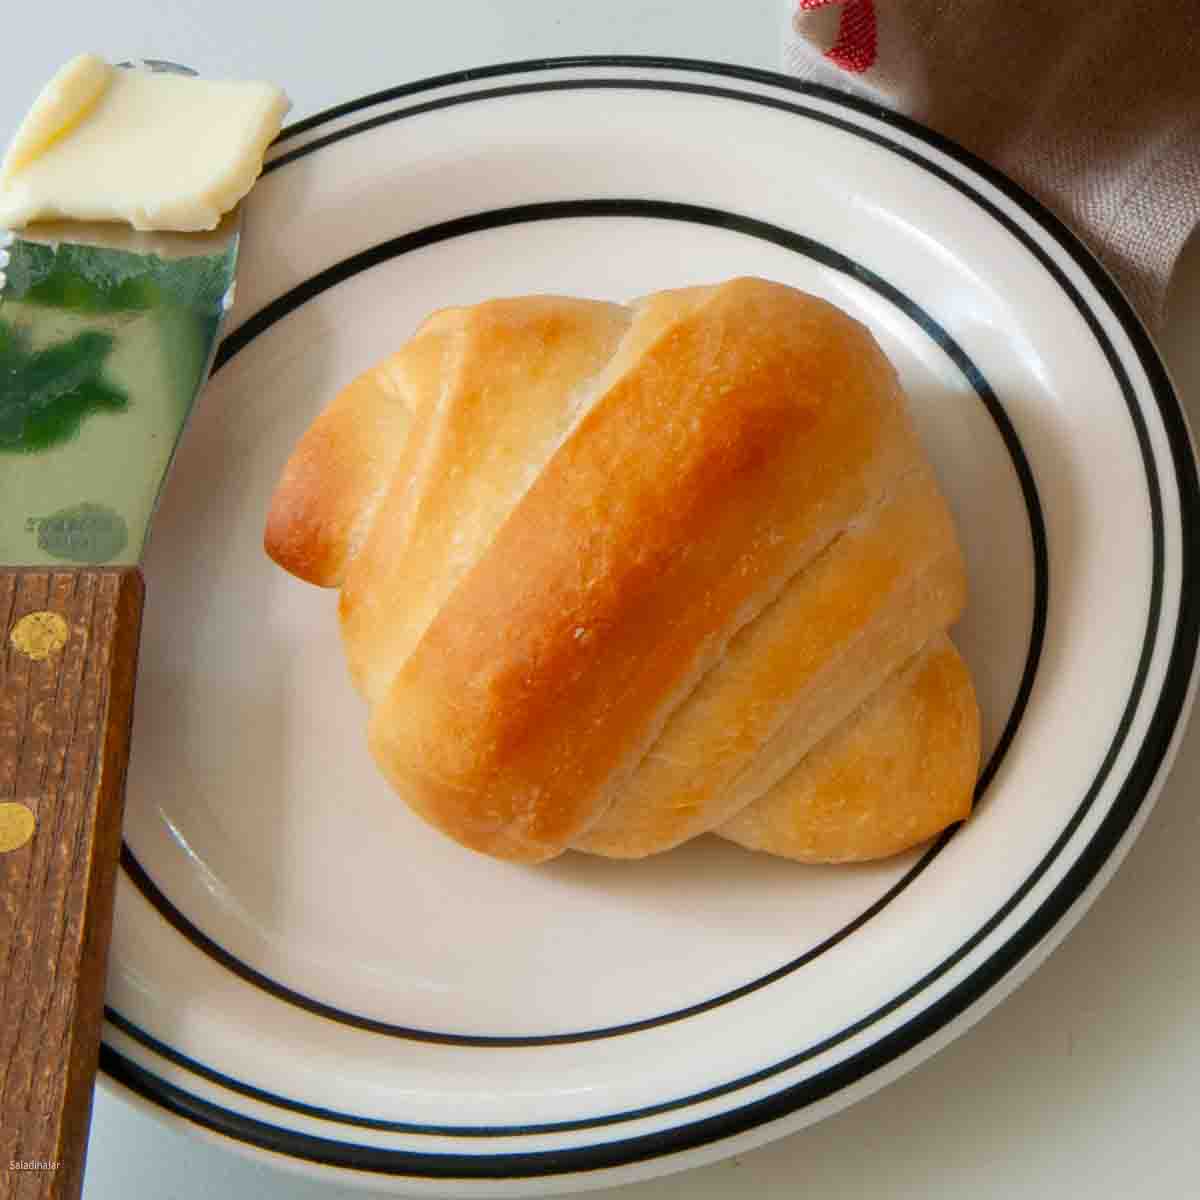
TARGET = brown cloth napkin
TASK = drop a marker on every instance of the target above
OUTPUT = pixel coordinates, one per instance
(1093, 106)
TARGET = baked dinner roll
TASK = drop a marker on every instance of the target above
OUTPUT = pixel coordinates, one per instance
(610, 575)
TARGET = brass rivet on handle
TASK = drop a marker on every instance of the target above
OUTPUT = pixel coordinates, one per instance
(38, 635)
(17, 824)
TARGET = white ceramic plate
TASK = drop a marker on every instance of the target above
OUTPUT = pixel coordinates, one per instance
(300, 965)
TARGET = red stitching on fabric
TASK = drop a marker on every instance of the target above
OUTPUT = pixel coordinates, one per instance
(857, 44)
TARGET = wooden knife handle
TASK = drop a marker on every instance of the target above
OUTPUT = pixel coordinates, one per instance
(67, 668)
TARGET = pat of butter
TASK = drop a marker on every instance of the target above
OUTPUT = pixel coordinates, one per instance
(158, 151)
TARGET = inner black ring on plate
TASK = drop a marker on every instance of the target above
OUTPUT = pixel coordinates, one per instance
(1116, 822)
(668, 211)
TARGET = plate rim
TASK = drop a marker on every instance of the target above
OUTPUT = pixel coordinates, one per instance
(1153, 755)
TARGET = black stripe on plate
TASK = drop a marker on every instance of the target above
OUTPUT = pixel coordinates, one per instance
(1125, 808)
(534, 65)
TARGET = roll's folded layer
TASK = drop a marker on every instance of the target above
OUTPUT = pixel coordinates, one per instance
(898, 771)
(609, 573)
(870, 600)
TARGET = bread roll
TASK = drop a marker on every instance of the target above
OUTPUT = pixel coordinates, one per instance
(608, 572)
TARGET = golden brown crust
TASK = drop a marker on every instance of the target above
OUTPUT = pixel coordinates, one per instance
(840, 628)
(897, 772)
(577, 541)
(732, 450)
(494, 405)
(345, 461)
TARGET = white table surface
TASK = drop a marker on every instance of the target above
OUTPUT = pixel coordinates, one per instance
(1085, 1081)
